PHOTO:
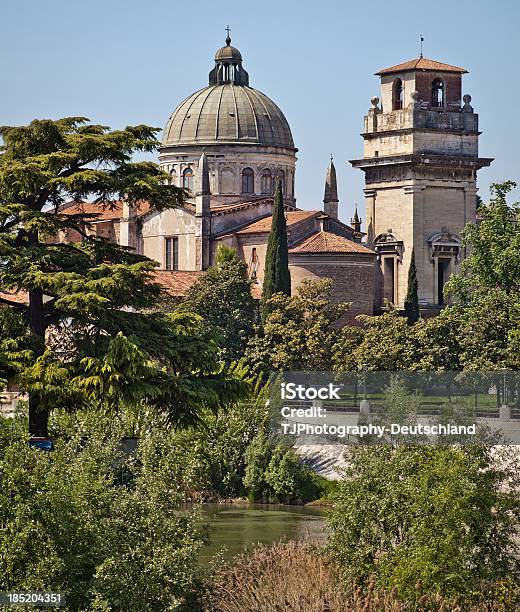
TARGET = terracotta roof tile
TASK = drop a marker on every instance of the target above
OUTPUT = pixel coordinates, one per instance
(176, 283)
(422, 63)
(262, 226)
(103, 212)
(20, 297)
(327, 242)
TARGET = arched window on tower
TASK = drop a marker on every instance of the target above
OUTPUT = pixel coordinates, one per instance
(248, 180)
(187, 179)
(173, 177)
(266, 182)
(397, 95)
(437, 93)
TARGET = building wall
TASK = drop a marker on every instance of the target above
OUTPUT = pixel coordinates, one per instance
(352, 276)
(226, 163)
(175, 222)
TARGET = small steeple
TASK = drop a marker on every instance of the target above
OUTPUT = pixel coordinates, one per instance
(356, 222)
(203, 182)
(330, 199)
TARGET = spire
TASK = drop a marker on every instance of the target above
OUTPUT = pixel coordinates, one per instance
(228, 37)
(203, 175)
(356, 222)
(331, 187)
(330, 199)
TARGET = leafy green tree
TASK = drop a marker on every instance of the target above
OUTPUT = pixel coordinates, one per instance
(383, 342)
(427, 520)
(81, 295)
(411, 302)
(277, 278)
(493, 246)
(68, 527)
(223, 298)
(299, 332)
(486, 288)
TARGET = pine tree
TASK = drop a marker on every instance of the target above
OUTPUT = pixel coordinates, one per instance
(411, 303)
(85, 311)
(277, 277)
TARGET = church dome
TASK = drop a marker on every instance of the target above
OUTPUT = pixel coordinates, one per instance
(228, 111)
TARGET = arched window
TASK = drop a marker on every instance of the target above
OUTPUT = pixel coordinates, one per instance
(397, 95)
(437, 93)
(281, 175)
(266, 182)
(248, 181)
(187, 179)
(173, 177)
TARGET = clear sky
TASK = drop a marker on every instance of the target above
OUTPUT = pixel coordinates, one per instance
(121, 62)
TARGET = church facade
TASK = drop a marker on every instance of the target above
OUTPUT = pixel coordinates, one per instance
(228, 143)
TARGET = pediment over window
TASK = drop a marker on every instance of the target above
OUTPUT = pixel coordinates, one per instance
(444, 244)
(387, 244)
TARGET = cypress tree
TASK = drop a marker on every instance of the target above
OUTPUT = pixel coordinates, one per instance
(411, 303)
(277, 277)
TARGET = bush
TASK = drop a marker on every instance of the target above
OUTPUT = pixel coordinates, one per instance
(274, 473)
(438, 517)
(69, 526)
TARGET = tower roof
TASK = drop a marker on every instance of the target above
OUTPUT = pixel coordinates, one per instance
(331, 185)
(422, 63)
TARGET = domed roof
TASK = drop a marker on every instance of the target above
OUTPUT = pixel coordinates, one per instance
(228, 113)
(228, 110)
(228, 53)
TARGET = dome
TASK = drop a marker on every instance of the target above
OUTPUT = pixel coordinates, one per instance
(228, 53)
(228, 113)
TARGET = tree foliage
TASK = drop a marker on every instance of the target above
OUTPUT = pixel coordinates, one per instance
(277, 278)
(426, 520)
(411, 302)
(70, 526)
(223, 298)
(86, 300)
(298, 332)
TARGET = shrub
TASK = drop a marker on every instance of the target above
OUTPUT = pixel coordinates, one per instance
(439, 517)
(68, 526)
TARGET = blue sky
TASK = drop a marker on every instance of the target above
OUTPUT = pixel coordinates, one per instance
(121, 62)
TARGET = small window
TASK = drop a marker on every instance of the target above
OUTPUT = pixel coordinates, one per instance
(173, 177)
(437, 93)
(397, 95)
(248, 181)
(266, 182)
(171, 253)
(187, 179)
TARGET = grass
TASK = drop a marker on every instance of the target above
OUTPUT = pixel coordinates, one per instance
(296, 577)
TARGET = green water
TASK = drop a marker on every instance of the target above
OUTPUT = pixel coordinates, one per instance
(235, 528)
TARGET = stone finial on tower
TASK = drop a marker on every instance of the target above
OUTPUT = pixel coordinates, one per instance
(203, 176)
(203, 213)
(330, 199)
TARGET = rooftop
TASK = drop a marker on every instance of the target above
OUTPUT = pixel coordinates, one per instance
(262, 226)
(327, 242)
(176, 283)
(422, 63)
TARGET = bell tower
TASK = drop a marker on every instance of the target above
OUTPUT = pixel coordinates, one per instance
(420, 163)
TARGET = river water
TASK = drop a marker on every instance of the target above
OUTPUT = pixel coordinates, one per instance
(236, 528)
